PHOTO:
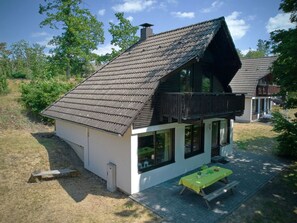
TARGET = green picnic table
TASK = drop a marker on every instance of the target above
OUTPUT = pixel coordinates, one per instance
(198, 181)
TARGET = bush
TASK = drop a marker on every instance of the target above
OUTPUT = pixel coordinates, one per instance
(37, 95)
(287, 138)
(18, 75)
(3, 84)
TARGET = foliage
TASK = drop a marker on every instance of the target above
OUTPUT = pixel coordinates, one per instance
(123, 36)
(287, 138)
(80, 36)
(18, 75)
(263, 49)
(284, 44)
(3, 84)
(5, 68)
(27, 61)
(37, 95)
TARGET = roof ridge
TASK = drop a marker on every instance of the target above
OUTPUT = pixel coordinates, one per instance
(265, 57)
(185, 27)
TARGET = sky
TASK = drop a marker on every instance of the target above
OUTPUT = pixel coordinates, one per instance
(247, 20)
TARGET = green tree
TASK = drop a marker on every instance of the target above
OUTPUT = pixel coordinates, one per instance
(5, 68)
(81, 33)
(263, 49)
(20, 64)
(284, 44)
(28, 61)
(123, 36)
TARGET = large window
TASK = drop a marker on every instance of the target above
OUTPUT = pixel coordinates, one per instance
(194, 143)
(155, 149)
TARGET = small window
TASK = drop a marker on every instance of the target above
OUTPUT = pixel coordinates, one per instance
(255, 106)
(194, 143)
(186, 80)
(155, 149)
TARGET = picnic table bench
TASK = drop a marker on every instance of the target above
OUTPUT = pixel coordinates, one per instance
(37, 176)
(198, 182)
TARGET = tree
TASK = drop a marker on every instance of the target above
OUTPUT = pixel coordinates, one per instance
(19, 58)
(284, 68)
(123, 36)
(5, 68)
(81, 33)
(284, 44)
(28, 61)
(263, 49)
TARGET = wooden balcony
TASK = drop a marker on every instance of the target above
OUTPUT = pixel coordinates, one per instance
(192, 106)
(265, 90)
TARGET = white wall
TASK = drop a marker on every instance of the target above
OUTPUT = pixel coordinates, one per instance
(74, 134)
(105, 148)
(141, 181)
(99, 149)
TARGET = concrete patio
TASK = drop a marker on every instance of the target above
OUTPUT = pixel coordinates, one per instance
(252, 170)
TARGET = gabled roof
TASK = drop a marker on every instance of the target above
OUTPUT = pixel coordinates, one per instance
(252, 70)
(112, 97)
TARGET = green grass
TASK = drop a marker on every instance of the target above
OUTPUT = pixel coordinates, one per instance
(256, 137)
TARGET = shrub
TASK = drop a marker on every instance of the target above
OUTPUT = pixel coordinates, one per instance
(39, 94)
(18, 75)
(3, 84)
(287, 138)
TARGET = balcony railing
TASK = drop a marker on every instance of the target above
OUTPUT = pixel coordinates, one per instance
(265, 90)
(192, 106)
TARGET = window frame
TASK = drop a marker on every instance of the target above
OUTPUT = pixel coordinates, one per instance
(158, 165)
(201, 141)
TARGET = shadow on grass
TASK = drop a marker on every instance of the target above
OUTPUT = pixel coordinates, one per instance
(61, 156)
(260, 144)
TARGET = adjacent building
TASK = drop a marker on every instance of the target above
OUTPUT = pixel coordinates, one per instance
(160, 109)
(256, 80)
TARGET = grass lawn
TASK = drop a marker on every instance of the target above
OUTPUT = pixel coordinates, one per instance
(276, 201)
(26, 146)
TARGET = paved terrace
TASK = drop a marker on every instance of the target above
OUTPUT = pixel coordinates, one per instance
(253, 171)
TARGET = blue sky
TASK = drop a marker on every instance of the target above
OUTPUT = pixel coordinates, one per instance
(248, 20)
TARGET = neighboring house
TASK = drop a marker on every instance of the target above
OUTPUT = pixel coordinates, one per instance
(255, 79)
(160, 109)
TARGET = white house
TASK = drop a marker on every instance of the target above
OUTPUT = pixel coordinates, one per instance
(160, 109)
(255, 79)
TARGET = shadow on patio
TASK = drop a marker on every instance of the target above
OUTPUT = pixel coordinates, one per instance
(252, 170)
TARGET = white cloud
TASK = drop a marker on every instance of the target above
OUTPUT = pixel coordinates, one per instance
(133, 5)
(102, 50)
(237, 27)
(244, 52)
(101, 12)
(39, 34)
(130, 18)
(280, 21)
(45, 41)
(216, 4)
(188, 15)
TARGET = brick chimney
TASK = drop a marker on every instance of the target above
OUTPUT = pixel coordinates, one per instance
(146, 31)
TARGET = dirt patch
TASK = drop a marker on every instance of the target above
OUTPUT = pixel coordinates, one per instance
(78, 199)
